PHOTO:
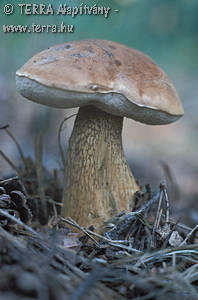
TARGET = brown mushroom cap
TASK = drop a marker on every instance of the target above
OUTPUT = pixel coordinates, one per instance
(115, 78)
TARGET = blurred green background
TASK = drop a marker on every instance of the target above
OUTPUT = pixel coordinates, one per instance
(165, 30)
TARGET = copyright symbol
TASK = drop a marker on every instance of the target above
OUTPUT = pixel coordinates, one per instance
(8, 9)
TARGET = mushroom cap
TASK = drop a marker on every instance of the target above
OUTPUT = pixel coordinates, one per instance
(113, 77)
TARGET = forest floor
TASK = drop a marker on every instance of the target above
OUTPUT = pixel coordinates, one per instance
(144, 254)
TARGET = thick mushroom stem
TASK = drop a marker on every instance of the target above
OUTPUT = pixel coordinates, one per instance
(98, 180)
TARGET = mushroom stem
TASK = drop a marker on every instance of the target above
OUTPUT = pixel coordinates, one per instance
(98, 180)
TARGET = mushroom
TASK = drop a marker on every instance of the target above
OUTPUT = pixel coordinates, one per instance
(108, 81)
